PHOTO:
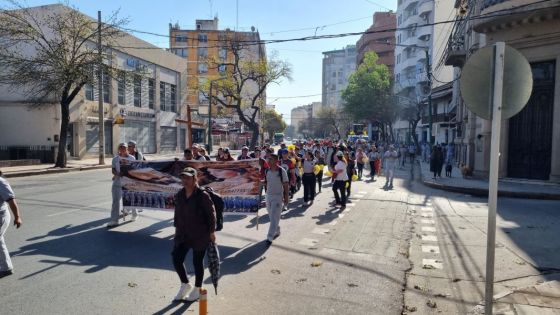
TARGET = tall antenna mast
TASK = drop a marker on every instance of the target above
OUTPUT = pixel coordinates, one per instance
(237, 15)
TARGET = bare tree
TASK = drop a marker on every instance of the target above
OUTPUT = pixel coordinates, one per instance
(49, 53)
(331, 121)
(412, 112)
(244, 77)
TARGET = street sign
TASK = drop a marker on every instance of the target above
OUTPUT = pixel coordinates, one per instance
(476, 82)
(497, 85)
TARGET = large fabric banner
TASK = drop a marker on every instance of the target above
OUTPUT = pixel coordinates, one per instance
(153, 184)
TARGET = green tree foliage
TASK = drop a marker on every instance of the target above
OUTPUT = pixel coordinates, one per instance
(367, 98)
(330, 122)
(272, 122)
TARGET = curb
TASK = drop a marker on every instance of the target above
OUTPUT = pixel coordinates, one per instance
(483, 192)
(54, 171)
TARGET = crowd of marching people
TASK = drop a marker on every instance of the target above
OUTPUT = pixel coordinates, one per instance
(307, 165)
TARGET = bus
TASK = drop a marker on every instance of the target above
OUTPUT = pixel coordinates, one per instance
(278, 138)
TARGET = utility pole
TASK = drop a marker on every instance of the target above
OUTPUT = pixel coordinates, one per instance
(100, 93)
(429, 73)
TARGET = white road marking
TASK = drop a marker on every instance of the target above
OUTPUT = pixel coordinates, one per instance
(334, 222)
(320, 231)
(341, 215)
(432, 263)
(359, 196)
(429, 238)
(308, 242)
(350, 204)
(430, 249)
(427, 221)
(63, 212)
(362, 192)
(427, 215)
(428, 229)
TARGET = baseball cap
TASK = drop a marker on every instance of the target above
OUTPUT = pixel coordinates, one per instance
(131, 142)
(339, 153)
(122, 144)
(188, 171)
(282, 151)
(245, 147)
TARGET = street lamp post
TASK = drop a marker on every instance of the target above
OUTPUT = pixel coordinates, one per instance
(210, 114)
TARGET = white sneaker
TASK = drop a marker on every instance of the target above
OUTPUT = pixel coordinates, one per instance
(183, 290)
(194, 295)
(134, 216)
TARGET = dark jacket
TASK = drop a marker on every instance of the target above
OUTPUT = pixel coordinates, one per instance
(194, 219)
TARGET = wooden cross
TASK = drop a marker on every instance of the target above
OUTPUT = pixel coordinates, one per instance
(189, 123)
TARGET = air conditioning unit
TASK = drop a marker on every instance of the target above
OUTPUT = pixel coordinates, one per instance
(423, 90)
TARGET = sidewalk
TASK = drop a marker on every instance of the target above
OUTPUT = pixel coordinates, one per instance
(479, 187)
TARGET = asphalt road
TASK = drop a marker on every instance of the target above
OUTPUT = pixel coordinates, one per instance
(325, 262)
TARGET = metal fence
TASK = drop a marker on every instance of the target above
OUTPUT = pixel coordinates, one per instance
(37, 152)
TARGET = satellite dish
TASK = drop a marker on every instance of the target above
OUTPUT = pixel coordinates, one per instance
(477, 77)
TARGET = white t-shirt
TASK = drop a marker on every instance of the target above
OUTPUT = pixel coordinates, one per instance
(274, 184)
(116, 165)
(390, 158)
(340, 165)
(6, 193)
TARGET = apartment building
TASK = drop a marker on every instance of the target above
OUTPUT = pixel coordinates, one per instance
(420, 46)
(337, 67)
(149, 104)
(204, 47)
(379, 38)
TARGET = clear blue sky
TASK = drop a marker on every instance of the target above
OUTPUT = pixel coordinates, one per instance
(275, 19)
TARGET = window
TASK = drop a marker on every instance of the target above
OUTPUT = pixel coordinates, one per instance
(89, 91)
(106, 86)
(151, 93)
(399, 20)
(181, 52)
(202, 67)
(399, 39)
(398, 78)
(202, 52)
(398, 58)
(222, 68)
(202, 99)
(138, 91)
(162, 96)
(172, 98)
(203, 38)
(122, 90)
(334, 74)
(181, 38)
(222, 53)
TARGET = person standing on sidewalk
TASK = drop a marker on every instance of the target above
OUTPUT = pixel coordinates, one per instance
(308, 178)
(340, 176)
(116, 188)
(7, 199)
(277, 196)
(350, 170)
(195, 224)
(391, 159)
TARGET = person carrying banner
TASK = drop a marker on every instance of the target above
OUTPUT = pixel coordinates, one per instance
(244, 154)
(276, 196)
(195, 224)
(132, 150)
(116, 188)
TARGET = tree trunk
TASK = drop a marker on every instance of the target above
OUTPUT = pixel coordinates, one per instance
(255, 136)
(64, 121)
(415, 136)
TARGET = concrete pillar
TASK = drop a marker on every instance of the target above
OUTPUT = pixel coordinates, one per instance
(555, 155)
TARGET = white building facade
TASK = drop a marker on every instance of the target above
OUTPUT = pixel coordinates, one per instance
(420, 46)
(338, 65)
(149, 104)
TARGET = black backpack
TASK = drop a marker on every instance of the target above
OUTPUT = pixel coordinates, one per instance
(218, 205)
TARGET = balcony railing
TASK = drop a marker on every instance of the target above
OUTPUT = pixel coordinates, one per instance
(437, 118)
